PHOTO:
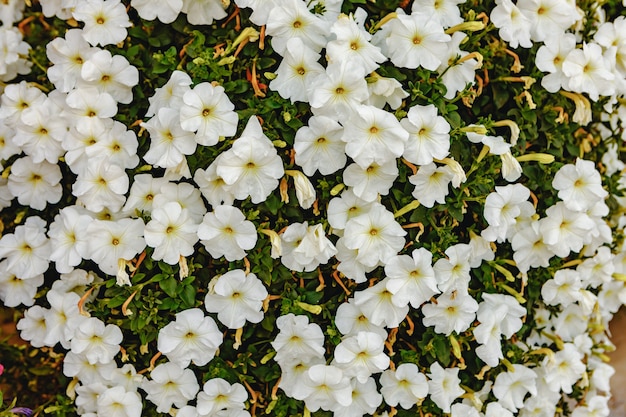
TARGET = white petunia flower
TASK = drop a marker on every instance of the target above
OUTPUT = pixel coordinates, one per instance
(296, 71)
(431, 184)
(116, 401)
(35, 184)
(429, 135)
(27, 249)
(236, 297)
(326, 387)
(217, 394)
(105, 21)
(169, 143)
(166, 11)
(207, 111)
(251, 168)
(511, 387)
(405, 386)
(97, 341)
(171, 232)
(290, 19)
(203, 12)
(376, 304)
(453, 312)
(376, 235)
(101, 185)
(416, 40)
(170, 385)
(361, 355)
(444, 386)
(579, 185)
(110, 241)
(226, 232)
(192, 337)
(110, 74)
(297, 340)
(411, 278)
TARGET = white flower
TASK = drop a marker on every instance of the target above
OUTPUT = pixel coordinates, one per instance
(67, 238)
(371, 181)
(217, 394)
(110, 241)
(365, 400)
(431, 184)
(118, 402)
(416, 40)
(373, 135)
(444, 386)
(350, 320)
(343, 208)
(514, 27)
(318, 146)
(39, 133)
(171, 232)
(453, 273)
(27, 249)
(33, 327)
(186, 195)
(352, 43)
(564, 368)
(326, 387)
(62, 319)
(338, 91)
(191, 337)
(453, 312)
(305, 247)
(16, 98)
(207, 111)
(77, 365)
(502, 208)
(166, 11)
(105, 21)
(446, 11)
(588, 71)
(236, 297)
(376, 235)
(564, 230)
(297, 340)
(291, 19)
(101, 185)
(376, 304)
(97, 341)
(171, 94)
(550, 18)
(110, 74)
(296, 71)
(35, 184)
(550, 58)
(67, 56)
(15, 291)
(361, 355)
(203, 12)
(212, 186)
(411, 278)
(251, 168)
(170, 385)
(564, 289)
(385, 90)
(579, 185)
(145, 187)
(429, 135)
(226, 232)
(511, 387)
(405, 386)
(169, 143)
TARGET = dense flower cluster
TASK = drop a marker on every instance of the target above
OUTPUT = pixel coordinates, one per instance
(461, 283)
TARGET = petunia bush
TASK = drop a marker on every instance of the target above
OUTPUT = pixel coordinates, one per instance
(294, 208)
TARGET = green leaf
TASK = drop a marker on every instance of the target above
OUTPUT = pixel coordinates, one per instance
(188, 295)
(169, 286)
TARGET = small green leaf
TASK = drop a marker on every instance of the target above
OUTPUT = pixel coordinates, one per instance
(169, 286)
